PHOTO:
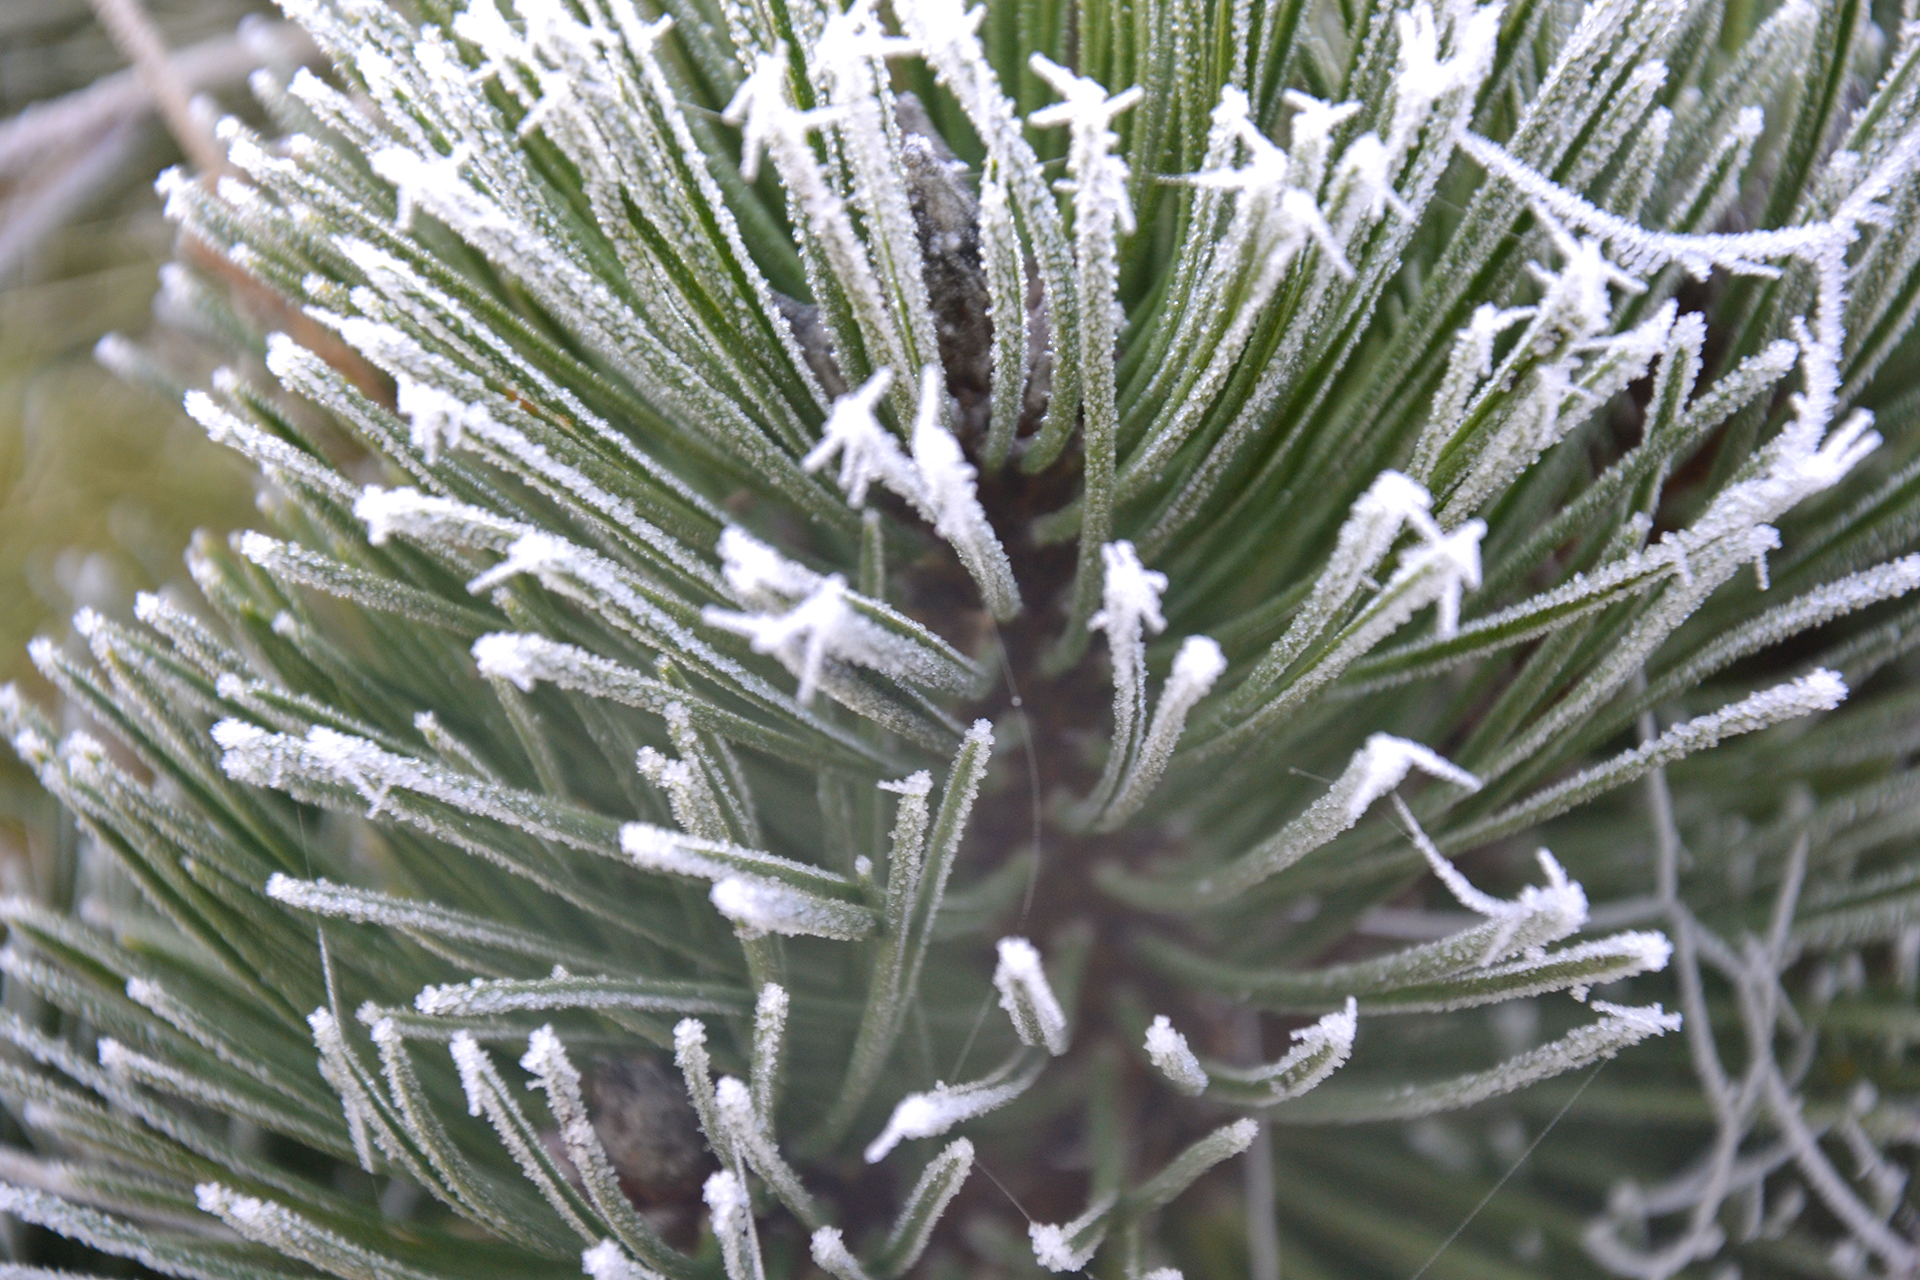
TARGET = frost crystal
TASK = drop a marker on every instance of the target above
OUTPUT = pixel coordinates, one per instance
(1054, 1244)
(1198, 663)
(758, 574)
(1131, 607)
(1373, 771)
(512, 658)
(1384, 764)
(1423, 77)
(761, 109)
(930, 1114)
(1318, 1051)
(608, 1261)
(951, 504)
(821, 628)
(1099, 179)
(867, 450)
(1548, 914)
(1276, 190)
(732, 1209)
(766, 906)
(1448, 566)
(1132, 598)
(438, 417)
(1028, 998)
(437, 186)
(1139, 754)
(937, 481)
(1168, 1050)
(830, 1254)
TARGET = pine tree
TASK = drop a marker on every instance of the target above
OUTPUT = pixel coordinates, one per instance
(886, 636)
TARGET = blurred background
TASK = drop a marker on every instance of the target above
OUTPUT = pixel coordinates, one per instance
(101, 480)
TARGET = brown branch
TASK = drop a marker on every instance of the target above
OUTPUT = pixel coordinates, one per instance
(127, 22)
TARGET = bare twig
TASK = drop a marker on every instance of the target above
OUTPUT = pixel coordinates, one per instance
(58, 125)
(127, 22)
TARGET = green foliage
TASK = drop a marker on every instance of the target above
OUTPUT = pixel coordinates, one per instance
(656, 781)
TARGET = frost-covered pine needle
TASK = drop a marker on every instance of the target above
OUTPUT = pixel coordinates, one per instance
(660, 639)
(1027, 998)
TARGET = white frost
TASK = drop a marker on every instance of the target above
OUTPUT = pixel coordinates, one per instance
(766, 906)
(758, 574)
(1130, 596)
(1384, 762)
(732, 1211)
(831, 1255)
(1170, 1054)
(438, 417)
(1028, 998)
(930, 1114)
(867, 450)
(805, 637)
(607, 1260)
(1099, 181)
(1549, 913)
(1053, 1246)
(937, 481)
(510, 657)
(812, 624)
